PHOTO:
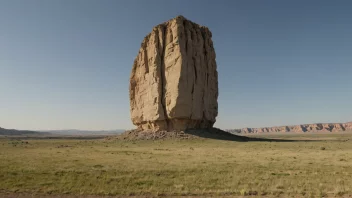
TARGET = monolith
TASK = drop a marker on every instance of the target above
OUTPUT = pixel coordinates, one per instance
(174, 79)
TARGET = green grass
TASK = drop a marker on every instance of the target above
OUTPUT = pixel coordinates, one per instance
(187, 167)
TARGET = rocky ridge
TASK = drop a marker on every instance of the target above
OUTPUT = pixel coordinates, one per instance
(320, 127)
(174, 80)
(19, 132)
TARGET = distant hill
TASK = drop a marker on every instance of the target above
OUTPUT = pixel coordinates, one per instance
(15, 132)
(19, 132)
(84, 132)
(320, 127)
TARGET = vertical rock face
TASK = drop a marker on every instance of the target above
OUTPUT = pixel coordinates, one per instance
(174, 80)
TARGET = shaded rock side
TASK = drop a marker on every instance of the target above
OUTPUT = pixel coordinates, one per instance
(174, 79)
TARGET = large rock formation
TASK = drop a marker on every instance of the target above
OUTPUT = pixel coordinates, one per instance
(326, 127)
(174, 81)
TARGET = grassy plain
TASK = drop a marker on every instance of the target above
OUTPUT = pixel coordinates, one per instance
(184, 167)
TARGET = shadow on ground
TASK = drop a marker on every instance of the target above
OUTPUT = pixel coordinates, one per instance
(219, 134)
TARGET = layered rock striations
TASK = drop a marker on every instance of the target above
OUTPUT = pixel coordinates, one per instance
(328, 127)
(174, 79)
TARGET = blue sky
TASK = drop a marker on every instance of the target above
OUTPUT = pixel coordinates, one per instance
(66, 64)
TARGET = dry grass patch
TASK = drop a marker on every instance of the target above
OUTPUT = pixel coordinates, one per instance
(178, 167)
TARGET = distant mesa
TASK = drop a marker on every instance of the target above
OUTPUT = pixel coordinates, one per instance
(71, 132)
(174, 79)
(10, 132)
(320, 127)
(84, 132)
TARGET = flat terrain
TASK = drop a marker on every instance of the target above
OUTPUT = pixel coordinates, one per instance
(312, 165)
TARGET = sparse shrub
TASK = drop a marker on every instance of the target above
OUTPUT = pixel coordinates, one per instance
(340, 193)
(98, 166)
(252, 193)
(243, 192)
(263, 193)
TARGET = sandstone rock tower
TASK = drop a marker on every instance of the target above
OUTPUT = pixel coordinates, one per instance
(174, 81)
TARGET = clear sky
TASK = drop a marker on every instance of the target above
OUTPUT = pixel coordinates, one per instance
(66, 64)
